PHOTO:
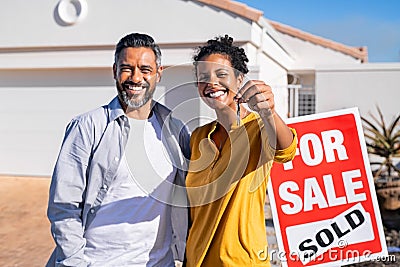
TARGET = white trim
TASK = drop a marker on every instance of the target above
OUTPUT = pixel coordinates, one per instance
(359, 67)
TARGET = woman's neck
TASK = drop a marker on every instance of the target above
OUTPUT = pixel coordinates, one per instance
(226, 117)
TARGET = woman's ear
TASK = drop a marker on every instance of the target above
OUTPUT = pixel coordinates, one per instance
(240, 79)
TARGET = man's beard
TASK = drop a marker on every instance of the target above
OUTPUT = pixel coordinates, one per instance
(136, 102)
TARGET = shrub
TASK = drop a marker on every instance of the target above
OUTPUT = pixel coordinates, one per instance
(384, 141)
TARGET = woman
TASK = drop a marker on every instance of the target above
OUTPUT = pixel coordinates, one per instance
(231, 160)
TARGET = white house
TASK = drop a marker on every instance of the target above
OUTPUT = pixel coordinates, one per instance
(56, 61)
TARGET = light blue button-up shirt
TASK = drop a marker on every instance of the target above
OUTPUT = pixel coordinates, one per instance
(92, 149)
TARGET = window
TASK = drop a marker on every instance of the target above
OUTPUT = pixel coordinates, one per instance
(301, 100)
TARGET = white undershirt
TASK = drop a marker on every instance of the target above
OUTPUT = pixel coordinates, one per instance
(132, 226)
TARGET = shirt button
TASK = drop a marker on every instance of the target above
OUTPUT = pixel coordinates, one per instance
(116, 158)
(91, 211)
(105, 187)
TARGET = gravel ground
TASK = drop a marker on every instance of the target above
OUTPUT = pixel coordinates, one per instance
(393, 260)
(25, 231)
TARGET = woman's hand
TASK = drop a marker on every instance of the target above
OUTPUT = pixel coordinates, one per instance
(258, 96)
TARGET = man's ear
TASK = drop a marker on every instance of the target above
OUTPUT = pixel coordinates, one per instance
(115, 71)
(159, 73)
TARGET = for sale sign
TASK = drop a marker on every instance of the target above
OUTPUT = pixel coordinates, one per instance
(323, 202)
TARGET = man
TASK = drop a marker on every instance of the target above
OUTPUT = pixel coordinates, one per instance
(117, 195)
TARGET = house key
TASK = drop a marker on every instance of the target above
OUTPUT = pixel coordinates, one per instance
(238, 112)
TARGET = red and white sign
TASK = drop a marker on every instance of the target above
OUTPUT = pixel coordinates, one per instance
(323, 202)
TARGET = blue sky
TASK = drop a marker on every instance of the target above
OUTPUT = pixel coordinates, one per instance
(371, 23)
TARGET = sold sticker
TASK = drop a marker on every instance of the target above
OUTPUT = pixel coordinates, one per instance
(354, 225)
(323, 202)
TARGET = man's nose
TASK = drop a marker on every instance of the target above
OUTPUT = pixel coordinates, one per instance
(136, 76)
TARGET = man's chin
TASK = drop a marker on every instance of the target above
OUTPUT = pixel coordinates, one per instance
(137, 103)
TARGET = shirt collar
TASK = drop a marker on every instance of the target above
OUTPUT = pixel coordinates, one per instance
(115, 109)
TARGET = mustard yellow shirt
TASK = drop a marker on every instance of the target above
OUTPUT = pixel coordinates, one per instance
(227, 193)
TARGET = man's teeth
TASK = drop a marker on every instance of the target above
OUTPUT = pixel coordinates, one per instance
(135, 88)
(217, 94)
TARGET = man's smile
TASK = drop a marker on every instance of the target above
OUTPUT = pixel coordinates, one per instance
(134, 88)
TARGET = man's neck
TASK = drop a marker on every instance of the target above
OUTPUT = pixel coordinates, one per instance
(141, 113)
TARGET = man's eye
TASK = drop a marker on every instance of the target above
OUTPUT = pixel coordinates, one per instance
(126, 70)
(146, 71)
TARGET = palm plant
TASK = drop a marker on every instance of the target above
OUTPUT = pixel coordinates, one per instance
(383, 141)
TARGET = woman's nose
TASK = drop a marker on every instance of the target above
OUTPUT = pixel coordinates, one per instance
(213, 81)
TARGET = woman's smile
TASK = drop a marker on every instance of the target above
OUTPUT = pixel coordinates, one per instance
(215, 92)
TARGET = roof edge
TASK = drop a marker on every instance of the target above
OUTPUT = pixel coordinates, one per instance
(236, 8)
(356, 52)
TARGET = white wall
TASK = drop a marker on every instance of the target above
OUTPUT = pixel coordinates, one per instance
(35, 107)
(181, 96)
(36, 24)
(309, 55)
(363, 86)
(50, 72)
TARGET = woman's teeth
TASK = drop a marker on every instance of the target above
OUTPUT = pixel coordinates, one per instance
(216, 94)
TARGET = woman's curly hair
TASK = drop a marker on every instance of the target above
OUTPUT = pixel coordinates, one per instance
(224, 46)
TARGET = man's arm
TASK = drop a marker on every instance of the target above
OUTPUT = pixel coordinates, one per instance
(66, 197)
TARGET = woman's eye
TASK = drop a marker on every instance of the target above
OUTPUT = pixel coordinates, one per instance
(221, 75)
(203, 79)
